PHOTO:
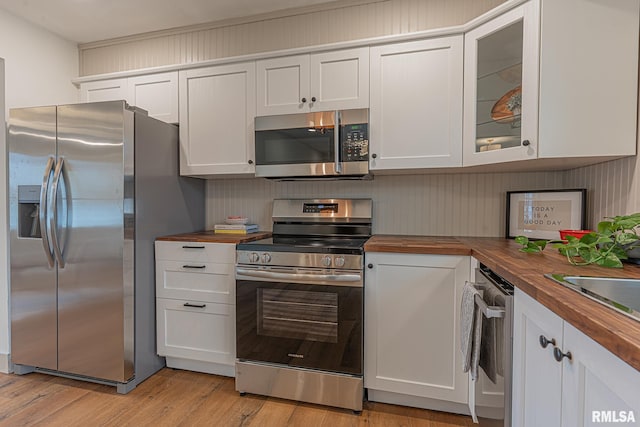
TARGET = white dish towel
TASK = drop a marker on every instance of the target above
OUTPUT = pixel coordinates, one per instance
(470, 330)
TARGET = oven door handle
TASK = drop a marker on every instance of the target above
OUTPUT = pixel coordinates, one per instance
(342, 279)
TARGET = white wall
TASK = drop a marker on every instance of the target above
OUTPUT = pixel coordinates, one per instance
(38, 68)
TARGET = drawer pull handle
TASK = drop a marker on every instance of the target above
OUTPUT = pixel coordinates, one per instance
(188, 304)
(194, 266)
(192, 247)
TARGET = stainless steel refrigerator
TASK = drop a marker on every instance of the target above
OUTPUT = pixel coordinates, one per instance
(90, 188)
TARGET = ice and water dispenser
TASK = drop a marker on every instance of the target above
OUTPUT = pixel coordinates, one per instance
(28, 211)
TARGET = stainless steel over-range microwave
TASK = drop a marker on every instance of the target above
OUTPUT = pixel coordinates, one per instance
(322, 144)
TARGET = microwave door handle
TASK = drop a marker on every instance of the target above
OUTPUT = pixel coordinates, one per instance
(336, 142)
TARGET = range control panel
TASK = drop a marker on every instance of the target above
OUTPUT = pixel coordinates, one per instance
(355, 143)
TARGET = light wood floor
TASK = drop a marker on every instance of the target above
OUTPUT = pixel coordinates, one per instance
(183, 398)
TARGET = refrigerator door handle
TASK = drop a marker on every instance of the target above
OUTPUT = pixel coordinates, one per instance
(42, 211)
(53, 220)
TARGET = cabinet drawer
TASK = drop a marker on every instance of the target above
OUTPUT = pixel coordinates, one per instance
(202, 281)
(203, 331)
(196, 252)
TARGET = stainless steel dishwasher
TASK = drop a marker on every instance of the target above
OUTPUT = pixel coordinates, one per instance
(491, 400)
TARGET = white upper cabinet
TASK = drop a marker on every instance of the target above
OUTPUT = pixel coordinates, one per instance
(217, 112)
(416, 104)
(155, 93)
(541, 84)
(317, 82)
(104, 90)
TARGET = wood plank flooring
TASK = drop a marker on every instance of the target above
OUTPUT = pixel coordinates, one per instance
(183, 398)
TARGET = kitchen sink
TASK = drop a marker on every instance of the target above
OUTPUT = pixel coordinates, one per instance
(622, 295)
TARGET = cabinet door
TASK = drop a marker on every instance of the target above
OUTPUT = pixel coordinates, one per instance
(104, 90)
(416, 104)
(340, 80)
(283, 85)
(217, 111)
(501, 88)
(156, 93)
(412, 338)
(537, 376)
(597, 387)
(196, 330)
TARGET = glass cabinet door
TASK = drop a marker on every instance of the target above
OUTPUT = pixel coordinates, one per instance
(501, 89)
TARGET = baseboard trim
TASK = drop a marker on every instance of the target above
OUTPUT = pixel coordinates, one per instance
(199, 366)
(5, 363)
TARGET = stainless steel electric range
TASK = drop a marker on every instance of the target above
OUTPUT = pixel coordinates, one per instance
(299, 312)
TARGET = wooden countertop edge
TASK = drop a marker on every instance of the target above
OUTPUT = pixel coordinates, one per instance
(211, 237)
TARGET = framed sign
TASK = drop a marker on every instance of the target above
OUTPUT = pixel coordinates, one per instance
(540, 214)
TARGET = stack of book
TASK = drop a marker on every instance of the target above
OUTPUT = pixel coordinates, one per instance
(235, 228)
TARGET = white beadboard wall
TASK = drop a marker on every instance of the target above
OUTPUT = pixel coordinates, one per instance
(329, 23)
(436, 205)
(613, 188)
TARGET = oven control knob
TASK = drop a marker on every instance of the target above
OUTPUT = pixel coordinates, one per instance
(326, 261)
(254, 257)
(339, 261)
(266, 258)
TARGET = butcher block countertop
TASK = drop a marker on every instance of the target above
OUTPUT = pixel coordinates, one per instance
(614, 331)
(211, 237)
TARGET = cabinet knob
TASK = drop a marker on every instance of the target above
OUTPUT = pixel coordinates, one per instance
(250, 162)
(526, 143)
(374, 156)
(559, 355)
(369, 266)
(544, 341)
(303, 100)
(313, 99)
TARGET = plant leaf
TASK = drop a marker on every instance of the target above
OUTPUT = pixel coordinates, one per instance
(610, 261)
(522, 240)
(626, 238)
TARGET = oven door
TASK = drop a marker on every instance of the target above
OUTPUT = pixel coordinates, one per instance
(300, 317)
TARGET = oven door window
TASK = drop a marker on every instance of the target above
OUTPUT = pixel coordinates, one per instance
(306, 315)
(310, 326)
(295, 146)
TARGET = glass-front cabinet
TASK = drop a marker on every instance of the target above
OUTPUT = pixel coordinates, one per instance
(501, 88)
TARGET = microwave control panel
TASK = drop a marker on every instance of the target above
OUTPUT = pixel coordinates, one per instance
(355, 143)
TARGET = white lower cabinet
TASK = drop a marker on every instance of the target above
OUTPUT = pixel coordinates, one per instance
(195, 306)
(591, 387)
(412, 336)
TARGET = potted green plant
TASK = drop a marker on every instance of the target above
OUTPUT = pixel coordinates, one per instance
(616, 239)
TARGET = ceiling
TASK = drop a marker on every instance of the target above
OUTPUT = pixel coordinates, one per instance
(84, 21)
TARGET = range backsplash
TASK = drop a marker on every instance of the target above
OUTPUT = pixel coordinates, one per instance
(437, 205)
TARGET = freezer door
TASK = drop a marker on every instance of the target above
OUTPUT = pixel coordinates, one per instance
(91, 237)
(32, 151)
